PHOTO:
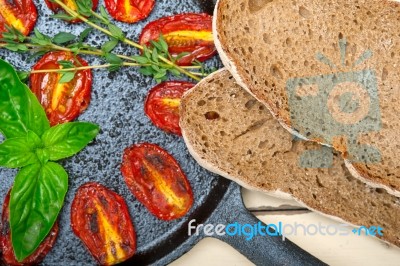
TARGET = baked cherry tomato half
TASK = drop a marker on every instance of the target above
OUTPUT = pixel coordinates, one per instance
(100, 218)
(129, 11)
(19, 14)
(162, 104)
(63, 102)
(71, 4)
(8, 256)
(186, 33)
(157, 181)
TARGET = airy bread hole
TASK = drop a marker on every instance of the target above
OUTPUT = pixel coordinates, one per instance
(276, 72)
(380, 190)
(262, 144)
(266, 38)
(201, 103)
(211, 115)
(243, 51)
(314, 196)
(250, 103)
(385, 73)
(257, 5)
(304, 12)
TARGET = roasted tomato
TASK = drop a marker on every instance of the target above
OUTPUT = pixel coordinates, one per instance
(8, 256)
(157, 181)
(162, 104)
(190, 33)
(63, 102)
(71, 4)
(20, 14)
(100, 218)
(129, 11)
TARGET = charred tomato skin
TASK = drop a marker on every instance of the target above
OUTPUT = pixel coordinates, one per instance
(21, 14)
(7, 252)
(101, 220)
(71, 3)
(157, 181)
(129, 11)
(162, 104)
(62, 102)
(189, 32)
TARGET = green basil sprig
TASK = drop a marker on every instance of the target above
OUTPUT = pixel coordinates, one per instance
(31, 144)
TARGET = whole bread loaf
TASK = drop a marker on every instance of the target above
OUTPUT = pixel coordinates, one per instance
(230, 133)
(328, 70)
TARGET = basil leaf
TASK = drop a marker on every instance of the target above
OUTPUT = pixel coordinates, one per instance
(65, 140)
(36, 199)
(23, 75)
(19, 152)
(43, 155)
(20, 110)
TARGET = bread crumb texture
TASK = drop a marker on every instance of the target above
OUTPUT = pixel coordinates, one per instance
(242, 140)
(271, 42)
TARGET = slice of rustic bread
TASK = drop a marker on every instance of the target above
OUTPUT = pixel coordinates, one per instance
(230, 133)
(300, 58)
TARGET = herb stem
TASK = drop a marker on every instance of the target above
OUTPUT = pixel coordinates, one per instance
(35, 46)
(92, 52)
(80, 68)
(99, 17)
(199, 74)
(75, 14)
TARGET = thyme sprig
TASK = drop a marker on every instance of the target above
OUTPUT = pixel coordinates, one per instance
(154, 61)
(96, 20)
(39, 44)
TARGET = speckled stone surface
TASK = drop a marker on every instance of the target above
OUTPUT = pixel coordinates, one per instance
(117, 106)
